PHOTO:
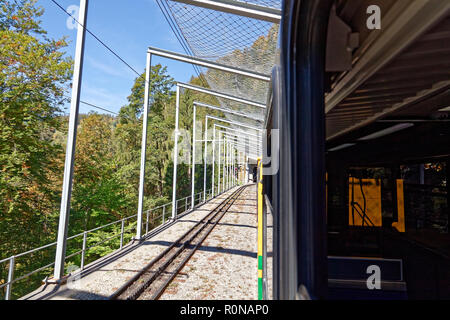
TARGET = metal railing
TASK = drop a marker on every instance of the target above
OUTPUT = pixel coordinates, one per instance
(123, 230)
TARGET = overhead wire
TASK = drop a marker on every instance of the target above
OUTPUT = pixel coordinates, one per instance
(185, 47)
(98, 39)
(103, 109)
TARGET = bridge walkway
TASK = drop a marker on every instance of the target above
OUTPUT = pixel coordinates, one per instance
(224, 266)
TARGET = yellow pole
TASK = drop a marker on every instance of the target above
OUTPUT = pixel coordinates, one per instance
(260, 231)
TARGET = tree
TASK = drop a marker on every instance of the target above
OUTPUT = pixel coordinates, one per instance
(99, 197)
(161, 125)
(33, 75)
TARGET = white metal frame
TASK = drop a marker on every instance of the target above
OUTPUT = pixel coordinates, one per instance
(221, 95)
(208, 64)
(238, 8)
(71, 143)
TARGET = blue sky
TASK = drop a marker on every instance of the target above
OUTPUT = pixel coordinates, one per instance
(128, 27)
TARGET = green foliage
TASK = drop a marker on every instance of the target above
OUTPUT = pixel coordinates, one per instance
(33, 76)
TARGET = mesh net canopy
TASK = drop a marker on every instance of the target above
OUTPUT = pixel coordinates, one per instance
(231, 40)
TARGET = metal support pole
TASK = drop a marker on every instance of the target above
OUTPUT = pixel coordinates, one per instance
(12, 263)
(234, 167)
(194, 138)
(205, 160)
(244, 169)
(241, 167)
(213, 161)
(218, 168)
(144, 146)
(228, 165)
(233, 155)
(240, 8)
(71, 143)
(164, 215)
(230, 168)
(83, 250)
(260, 199)
(175, 157)
(237, 166)
(224, 164)
(122, 230)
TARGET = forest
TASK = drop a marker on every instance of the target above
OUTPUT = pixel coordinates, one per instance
(35, 76)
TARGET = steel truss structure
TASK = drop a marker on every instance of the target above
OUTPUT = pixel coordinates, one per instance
(234, 153)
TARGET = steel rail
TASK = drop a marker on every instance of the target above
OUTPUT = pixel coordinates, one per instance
(230, 201)
(140, 289)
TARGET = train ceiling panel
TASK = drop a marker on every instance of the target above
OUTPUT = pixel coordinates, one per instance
(405, 64)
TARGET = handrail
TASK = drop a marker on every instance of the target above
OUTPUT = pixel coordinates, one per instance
(12, 260)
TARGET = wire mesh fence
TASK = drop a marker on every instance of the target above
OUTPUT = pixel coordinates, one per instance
(234, 41)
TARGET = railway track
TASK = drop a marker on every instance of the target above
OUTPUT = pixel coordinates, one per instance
(151, 282)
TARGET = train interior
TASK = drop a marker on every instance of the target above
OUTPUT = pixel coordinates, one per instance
(387, 153)
(385, 127)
